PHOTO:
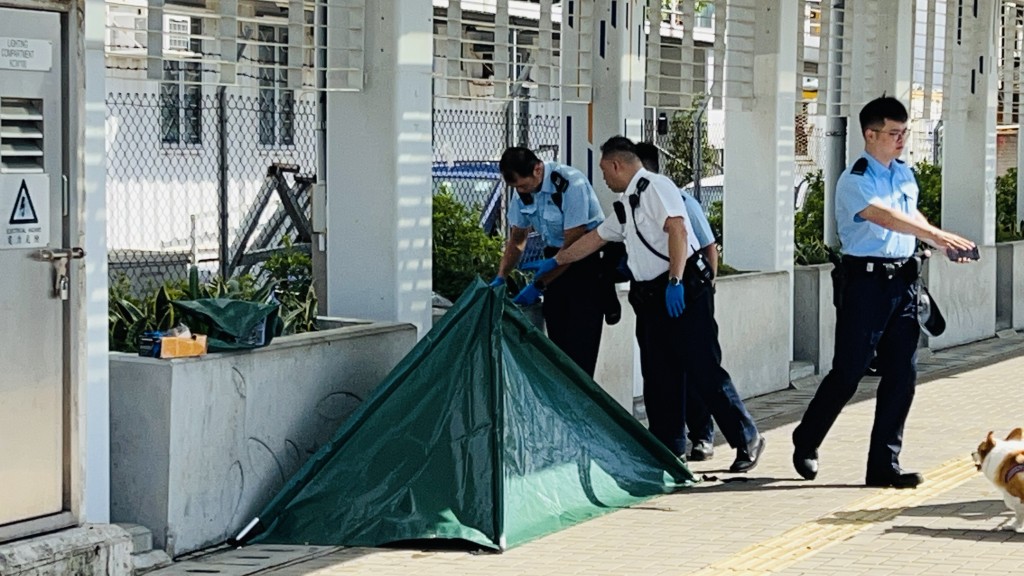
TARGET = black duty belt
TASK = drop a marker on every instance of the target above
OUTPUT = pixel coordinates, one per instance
(888, 267)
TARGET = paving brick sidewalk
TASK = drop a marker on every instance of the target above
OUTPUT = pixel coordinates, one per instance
(771, 522)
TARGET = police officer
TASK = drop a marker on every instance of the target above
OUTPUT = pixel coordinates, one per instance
(671, 297)
(877, 220)
(560, 204)
(700, 428)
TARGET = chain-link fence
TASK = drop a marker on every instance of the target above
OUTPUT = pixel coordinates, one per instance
(677, 135)
(469, 138)
(219, 177)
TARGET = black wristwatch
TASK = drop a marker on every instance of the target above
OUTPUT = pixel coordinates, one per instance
(673, 281)
(540, 285)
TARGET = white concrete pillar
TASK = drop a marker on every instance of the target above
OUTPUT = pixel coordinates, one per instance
(618, 58)
(882, 58)
(760, 92)
(379, 173)
(969, 122)
(578, 148)
(89, 452)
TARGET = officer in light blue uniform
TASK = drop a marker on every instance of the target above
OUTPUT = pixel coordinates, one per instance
(878, 224)
(579, 206)
(559, 203)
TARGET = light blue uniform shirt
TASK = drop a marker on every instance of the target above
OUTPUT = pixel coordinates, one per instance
(698, 220)
(580, 206)
(892, 186)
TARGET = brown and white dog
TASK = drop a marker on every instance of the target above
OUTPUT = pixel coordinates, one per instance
(1002, 462)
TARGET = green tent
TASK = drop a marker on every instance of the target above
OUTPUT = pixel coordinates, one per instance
(484, 432)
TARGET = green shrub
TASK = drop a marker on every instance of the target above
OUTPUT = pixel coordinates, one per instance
(680, 146)
(461, 249)
(1007, 226)
(290, 271)
(715, 219)
(288, 278)
(809, 223)
(929, 182)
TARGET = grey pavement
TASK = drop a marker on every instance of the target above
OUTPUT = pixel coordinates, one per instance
(770, 521)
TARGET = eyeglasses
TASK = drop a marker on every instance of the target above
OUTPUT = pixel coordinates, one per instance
(895, 134)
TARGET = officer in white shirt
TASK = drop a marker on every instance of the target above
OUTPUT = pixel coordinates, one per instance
(700, 429)
(670, 294)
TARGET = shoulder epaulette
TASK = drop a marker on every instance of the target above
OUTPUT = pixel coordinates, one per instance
(642, 184)
(898, 161)
(859, 167)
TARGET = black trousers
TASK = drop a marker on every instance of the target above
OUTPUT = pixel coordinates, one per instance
(677, 353)
(878, 314)
(574, 312)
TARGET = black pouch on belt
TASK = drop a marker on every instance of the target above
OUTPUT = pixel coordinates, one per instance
(838, 277)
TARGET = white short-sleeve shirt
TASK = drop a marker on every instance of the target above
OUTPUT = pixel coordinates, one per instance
(657, 203)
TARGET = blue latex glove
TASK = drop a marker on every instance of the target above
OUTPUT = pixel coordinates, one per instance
(541, 267)
(498, 281)
(527, 296)
(675, 300)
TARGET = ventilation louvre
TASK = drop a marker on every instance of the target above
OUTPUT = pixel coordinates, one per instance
(21, 135)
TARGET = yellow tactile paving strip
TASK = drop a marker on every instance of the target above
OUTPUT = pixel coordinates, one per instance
(805, 540)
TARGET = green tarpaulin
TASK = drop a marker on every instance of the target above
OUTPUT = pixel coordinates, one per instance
(484, 432)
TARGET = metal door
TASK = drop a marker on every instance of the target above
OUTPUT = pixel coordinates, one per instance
(32, 352)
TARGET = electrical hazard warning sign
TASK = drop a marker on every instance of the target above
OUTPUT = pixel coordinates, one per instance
(25, 201)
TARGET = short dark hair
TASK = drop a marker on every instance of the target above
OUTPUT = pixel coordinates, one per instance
(875, 113)
(517, 162)
(648, 153)
(619, 146)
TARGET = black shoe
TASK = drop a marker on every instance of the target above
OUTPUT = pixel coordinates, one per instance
(806, 463)
(702, 450)
(894, 479)
(746, 458)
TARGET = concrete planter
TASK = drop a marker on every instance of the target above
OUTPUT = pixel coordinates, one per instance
(814, 316)
(753, 313)
(1010, 285)
(966, 294)
(199, 445)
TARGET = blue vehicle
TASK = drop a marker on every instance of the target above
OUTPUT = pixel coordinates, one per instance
(478, 185)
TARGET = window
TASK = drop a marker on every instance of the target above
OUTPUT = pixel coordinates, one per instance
(276, 101)
(181, 93)
(704, 17)
(815, 26)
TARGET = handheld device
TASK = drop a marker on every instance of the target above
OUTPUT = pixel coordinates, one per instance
(956, 255)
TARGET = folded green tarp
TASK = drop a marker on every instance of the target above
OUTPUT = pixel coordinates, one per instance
(231, 324)
(484, 432)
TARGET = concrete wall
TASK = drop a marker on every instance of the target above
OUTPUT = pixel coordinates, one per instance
(1010, 285)
(616, 361)
(966, 295)
(755, 330)
(200, 445)
(814, 316)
